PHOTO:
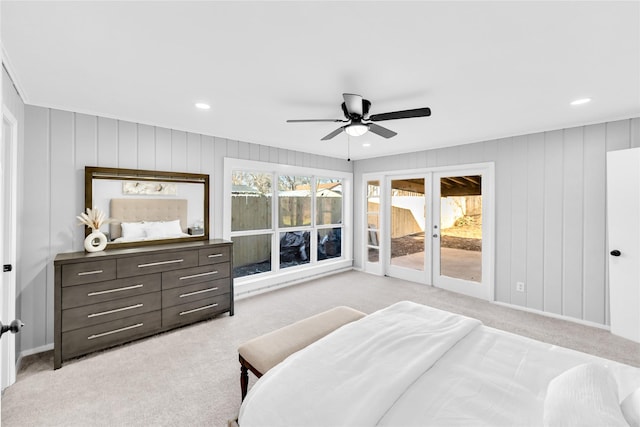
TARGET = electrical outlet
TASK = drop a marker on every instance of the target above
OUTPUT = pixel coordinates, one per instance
(520, 286)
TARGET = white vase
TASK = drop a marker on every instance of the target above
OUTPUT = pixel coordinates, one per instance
(95, 242)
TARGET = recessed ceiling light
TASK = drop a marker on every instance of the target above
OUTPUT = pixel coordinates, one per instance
(366, 144)
(202, 106)
(581, 101)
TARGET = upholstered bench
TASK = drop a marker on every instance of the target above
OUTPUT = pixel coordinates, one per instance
(264, 352)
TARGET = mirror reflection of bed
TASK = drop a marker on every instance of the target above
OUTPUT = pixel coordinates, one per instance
(148, 219)
(149, 207)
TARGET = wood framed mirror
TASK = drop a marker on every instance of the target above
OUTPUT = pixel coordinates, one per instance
(148, 207)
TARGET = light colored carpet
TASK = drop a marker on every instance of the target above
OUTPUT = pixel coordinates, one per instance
(191, 376)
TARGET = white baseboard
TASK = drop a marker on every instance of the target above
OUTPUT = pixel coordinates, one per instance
(554, 315)
(257, 288)
(31, 352)
(36, 350)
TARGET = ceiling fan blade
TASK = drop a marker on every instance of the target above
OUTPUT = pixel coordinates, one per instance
(379, 130)
(404, 114)
(332, 134)
(353, 103)
(314, 120)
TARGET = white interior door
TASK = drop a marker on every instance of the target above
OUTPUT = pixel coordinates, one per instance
(462, 231)
(623, 213)
(8, 168)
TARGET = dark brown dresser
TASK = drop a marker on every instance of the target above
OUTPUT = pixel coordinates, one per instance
(108, 298)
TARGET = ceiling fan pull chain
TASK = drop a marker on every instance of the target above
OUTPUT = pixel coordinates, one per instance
(348, 148)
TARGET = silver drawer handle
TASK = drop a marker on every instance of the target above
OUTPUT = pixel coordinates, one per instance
(108, 291)
(115, 331)
(198, 292)
(198, 309)
(208, 273)
(214, 255)
(131, 307)
(151, 264)
(86, 273)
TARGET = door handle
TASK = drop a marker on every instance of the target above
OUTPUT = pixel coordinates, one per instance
(13, 327)
(616, 252)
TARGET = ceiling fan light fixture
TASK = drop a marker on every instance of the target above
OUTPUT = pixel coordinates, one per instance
(356, 129)
(581, 101)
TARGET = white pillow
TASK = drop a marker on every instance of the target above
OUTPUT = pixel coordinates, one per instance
(586, 395)
(631, 408)
(133, 230)
(160, 229)
(172, 228)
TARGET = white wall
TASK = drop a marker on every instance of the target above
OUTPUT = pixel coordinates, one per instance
(550, 212)
(61, 143)
(550, 201)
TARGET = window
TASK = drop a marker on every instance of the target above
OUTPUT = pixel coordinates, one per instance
(251, 212)
(294, 200)
(284, 218)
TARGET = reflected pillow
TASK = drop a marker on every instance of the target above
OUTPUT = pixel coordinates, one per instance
(133, 230)
(160, 229)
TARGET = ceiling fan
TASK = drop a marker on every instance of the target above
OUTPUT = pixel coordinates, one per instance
(356, 113)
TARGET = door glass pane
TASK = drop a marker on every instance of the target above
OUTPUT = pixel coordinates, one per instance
(374, 255)
(461, 227)
(373, 220)
(328, 201)
(294, 200)
(407, 223)
(251, 254)
(250, 201)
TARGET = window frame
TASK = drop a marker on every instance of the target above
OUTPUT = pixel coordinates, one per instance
(277, 275)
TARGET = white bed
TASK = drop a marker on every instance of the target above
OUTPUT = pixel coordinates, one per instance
(412, 365)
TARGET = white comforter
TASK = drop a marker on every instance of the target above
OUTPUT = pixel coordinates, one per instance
(410, 364)
(393, 346)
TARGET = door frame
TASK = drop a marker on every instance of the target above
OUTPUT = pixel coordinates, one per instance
(487, 169)
(8, 279)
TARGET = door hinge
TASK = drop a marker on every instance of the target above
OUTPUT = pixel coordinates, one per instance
(6, 268)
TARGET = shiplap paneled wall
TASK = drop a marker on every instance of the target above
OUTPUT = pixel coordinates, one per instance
(61, 143)
(550, 212)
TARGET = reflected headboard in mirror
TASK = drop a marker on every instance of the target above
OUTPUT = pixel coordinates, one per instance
(149, 207)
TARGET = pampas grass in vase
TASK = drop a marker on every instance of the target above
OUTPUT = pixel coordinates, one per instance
(94, 219)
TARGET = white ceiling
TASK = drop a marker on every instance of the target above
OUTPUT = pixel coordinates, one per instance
(486, 69)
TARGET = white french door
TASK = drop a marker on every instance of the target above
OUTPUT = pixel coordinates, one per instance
(409, 250)
(462, 232)
(435, 227)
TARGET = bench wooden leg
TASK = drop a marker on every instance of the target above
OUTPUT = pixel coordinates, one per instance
(244, 380)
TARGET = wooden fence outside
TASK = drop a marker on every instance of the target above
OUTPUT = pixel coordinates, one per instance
(254, 213)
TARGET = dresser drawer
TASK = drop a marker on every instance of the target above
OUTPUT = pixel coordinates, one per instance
(94, 314)
(92, 293)
(85, 340)
(88, 272)
(188, 276)
(214, 255)
(156, 263)
(198, 291)
(194, 311)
